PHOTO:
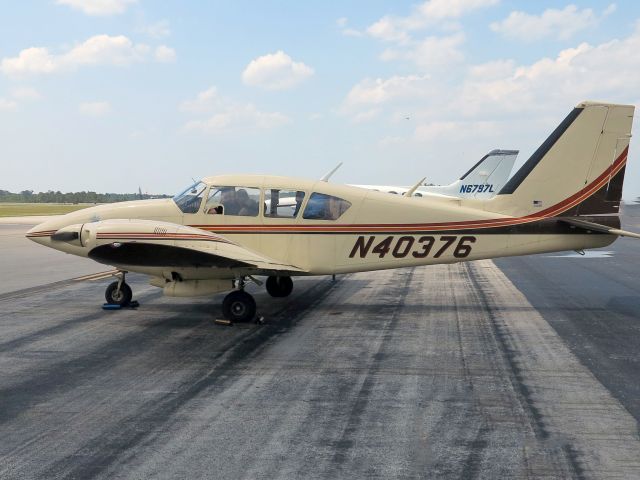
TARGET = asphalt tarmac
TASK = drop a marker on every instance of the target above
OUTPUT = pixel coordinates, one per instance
(528, 370)
(25, 264)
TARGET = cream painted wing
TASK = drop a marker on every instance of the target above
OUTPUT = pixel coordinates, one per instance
(160, 244)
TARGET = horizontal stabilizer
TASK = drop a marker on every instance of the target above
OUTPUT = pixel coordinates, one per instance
(596, 227)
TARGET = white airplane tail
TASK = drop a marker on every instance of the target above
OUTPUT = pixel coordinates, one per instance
(485, 179)
(482, 181)
(578, 169)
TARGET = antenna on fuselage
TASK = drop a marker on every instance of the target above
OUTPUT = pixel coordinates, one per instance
(327, 176)
(411, 191)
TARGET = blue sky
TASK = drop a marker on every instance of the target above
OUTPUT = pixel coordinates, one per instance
(109, 95)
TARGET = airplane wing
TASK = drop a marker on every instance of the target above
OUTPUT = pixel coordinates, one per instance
(596, 227)
(162, 244)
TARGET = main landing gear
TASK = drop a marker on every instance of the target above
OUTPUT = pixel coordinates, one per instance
(239, 306)
(119, 292)
(279, 286)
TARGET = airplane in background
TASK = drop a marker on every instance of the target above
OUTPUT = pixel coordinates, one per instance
(483, 180)
(218, 234)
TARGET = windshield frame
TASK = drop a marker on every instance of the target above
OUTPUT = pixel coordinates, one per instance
(185, 200)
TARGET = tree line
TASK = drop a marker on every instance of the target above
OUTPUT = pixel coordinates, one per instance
(29, 196)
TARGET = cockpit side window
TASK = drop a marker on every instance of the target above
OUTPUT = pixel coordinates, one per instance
(282, 203)
(238, 201)
(190, 199)
(325, 207)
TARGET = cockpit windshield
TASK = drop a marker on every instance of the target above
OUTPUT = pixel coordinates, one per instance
(190, 199)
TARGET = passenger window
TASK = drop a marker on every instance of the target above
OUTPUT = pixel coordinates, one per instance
(282, 203)
(238, 201)
(325, 207)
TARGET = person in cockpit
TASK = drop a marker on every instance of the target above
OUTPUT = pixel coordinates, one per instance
(246, 206)
(229, 201)
(299, 199)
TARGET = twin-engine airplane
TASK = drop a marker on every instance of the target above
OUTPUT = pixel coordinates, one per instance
(483, 181)
(223, 230)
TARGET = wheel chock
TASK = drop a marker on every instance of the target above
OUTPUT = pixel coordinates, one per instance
(223, 321)
(115, 306)
(111, 306)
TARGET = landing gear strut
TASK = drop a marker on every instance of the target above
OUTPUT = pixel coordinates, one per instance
(119, 292)
(279, 286)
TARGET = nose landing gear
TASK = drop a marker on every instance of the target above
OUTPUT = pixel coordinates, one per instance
(119, 292)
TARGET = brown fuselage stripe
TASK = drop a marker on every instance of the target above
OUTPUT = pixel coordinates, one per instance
(157, 236)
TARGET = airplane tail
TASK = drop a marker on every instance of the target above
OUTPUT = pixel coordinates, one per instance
(578, 169)
(485, 178)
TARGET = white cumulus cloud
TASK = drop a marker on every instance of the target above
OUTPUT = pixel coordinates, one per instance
(342, 24)
(441, 9)
(97, 50)
(579, 73)
(399, 28)
(222, 114)
(552, 23)
(165, 54)
(275, 71)
(7, 105)
(25, 93)
(430, 53)
(156, 30)
(485, 95)
(370, 92)
(205, 101)
(94, 109)
(434, 51)
(98, 7)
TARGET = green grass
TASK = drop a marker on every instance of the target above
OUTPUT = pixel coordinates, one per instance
(26, 209)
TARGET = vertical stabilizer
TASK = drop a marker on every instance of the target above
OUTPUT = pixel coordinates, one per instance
(578, 169)
(484, 180)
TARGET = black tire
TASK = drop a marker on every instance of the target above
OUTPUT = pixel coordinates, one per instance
(115, 297)
(279, 286)
(239, 306)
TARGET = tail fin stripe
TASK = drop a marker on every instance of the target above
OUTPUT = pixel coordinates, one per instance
(528, 166)
(587, 191)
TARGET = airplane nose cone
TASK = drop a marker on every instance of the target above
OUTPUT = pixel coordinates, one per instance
(40, 234)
